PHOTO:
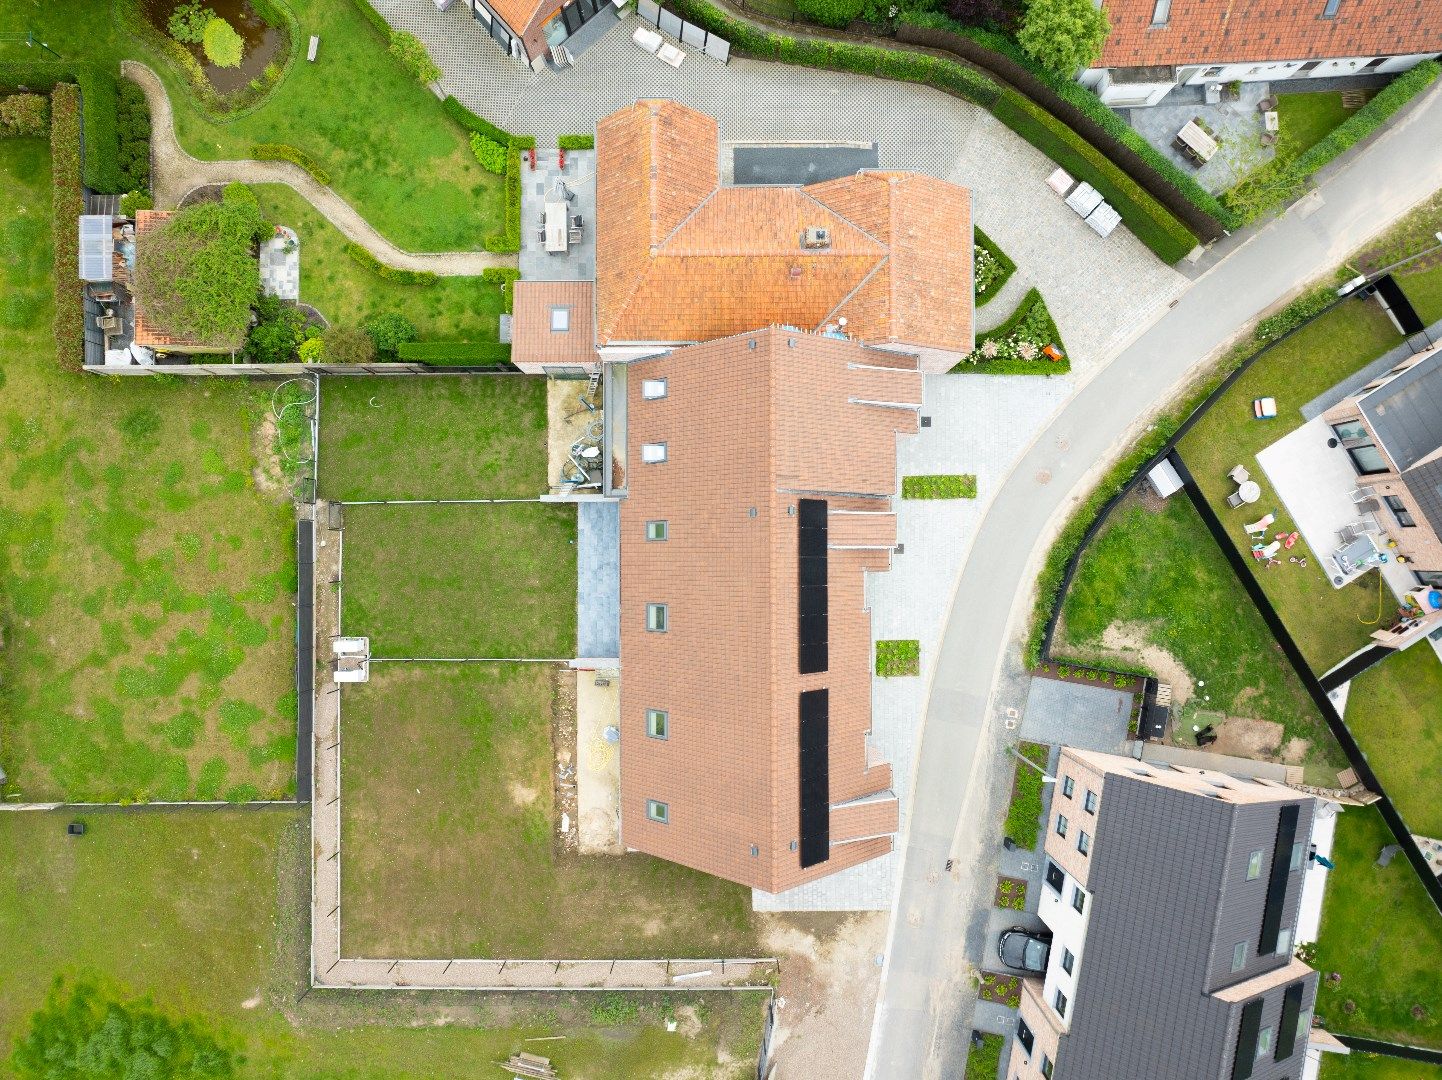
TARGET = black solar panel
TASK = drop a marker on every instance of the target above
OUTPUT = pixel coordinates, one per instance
(1287, 1029)
(1277, 883)
(811, 574)
(1247, 1032)
(815, 717)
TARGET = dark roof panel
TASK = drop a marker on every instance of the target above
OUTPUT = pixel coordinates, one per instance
(1406, 413)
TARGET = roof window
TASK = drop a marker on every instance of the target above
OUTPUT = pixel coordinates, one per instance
(1330, 11)
(1162, 13)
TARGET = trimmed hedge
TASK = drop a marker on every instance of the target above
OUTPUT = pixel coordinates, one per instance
(1003, 260)
(576, 142)
(455, 352)
(509, 242)
(471, 122)
(293, 154)
(99, 103)
(505, 277)
(1369, 117)
(390, 273)
(939, 486)
(69, 204)
(375, 18)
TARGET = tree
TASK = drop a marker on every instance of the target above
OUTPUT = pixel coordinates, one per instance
(279, 330)
(347, 345)
(223, 46)
(411, 53)
(1064, 35)
(86, 1032)
(389, 330)
(1263, 181)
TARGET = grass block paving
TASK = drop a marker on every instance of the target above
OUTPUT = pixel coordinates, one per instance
(462, 580)
(450, 843)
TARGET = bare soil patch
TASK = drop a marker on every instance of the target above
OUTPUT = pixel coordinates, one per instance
(1128, 644)
(1240, 736)
(267, 473)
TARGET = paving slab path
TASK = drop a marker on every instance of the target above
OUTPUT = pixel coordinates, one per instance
(174, 173)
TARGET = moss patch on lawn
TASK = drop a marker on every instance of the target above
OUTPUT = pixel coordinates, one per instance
(902, 657)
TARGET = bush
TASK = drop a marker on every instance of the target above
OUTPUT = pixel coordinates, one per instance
(24, 115)
(1063, 36)
(471, 122)
(223, 46)
(347, 345)
(188, 22)
(576, 142)
(411, 54)
(311, 349)
(374, 17)
(1303, 309)
(837, 13)
(506, 277)
(455, 352)
(992, 267)
(491, 154)
(133, 131)
(279, 330)
(295, 155)
(389, 330)
(389, 273)
(132, 201)
(68, 205)
(509, 241)
(98, 102)
(960, 486)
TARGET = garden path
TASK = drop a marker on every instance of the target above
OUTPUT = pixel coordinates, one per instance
(1003, 305)
(175, 172)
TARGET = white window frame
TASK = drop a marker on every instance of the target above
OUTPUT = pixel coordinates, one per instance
(653, 389)
(658, 724)
(653, 453)
(658, 811)
(663, 533)
(560, 313)
(1254, 865)
(658, 618)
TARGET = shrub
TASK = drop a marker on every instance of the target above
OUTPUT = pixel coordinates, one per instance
(223, 45)
(285, 152)
(491, 154)
(838, 13)
(455, 352)
(506, 277)
(1301, 310)
(389, 273)
(389, 330)
(898, 658)
(374, 17)
(132, 201)
(1023, 816)
(188, 22)
(279, 330)
(960, 486)
(1064, 36)
(510, 241)
(577, 142)
(24, 115)
(347, 345)
(1015, 347)
(411, 54)
(68, 205)
(992, 268)
(310, 349)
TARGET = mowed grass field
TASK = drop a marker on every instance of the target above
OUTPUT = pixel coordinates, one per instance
(206, 912)
(1358, 1066)
(146, 586)
(449, 835)
(440, 437)
(470, 580)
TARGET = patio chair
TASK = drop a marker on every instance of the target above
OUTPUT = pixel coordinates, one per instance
(1235, 499)
(1259, 528)
(1240, 475)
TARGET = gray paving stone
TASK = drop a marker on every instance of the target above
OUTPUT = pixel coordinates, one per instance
(1073, 714)
(598, 578)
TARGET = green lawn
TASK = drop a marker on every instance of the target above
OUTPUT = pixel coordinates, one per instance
(453, 309)
(487, 580)
(1309, 118)
(206, 913)
(1358, 1066)
(1328, 624)
(1023, 814)
(1160, 576)
(382, 137)
(148, 583)
(1381, 932)
(1393, 711)
(444, 437)
(984, 1064)
(450, 843)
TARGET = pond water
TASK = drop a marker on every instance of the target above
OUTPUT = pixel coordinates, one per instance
(263, 43)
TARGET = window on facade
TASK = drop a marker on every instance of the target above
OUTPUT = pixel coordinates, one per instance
(657, 530)
(1296, 862)
(658, 811)
(1068, 960)
(656, 618)
(1060, 1002)
(651, 389)
(1046, 1066)
(1264, 1041)
(1054, 876)
(1090, 802)
(1061, 824)
(1376, 62)
(658, 723)
(1068, 785)
(1361, 448)
(653, 452)
(560, 319)
(1431, 578)
(1161, 12)
(1084, 842)
(1284, 941)
(1254, 866)
(1239, 956)
(1078, 898)
(1024, 1035)
(1399, 511)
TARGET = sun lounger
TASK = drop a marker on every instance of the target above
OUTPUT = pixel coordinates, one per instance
(1265, 408)
(670, 55)
(1260, 552)
(1261, 525)
(648, 40)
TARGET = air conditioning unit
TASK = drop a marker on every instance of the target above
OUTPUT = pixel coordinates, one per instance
(816, 238)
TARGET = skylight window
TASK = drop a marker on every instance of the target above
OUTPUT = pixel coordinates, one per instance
(1330, 11)
(1162, 13)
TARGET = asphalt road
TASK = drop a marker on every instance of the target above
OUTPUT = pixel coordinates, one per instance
(917, 1031)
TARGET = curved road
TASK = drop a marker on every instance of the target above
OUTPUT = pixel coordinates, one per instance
(918, 1032)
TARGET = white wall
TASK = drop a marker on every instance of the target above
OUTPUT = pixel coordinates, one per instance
(1068, 932)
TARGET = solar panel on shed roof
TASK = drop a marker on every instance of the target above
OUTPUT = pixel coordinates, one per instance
(97, 247)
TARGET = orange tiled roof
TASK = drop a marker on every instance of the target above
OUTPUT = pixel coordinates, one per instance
(680, 258)
(532, 339)
(1237, 31)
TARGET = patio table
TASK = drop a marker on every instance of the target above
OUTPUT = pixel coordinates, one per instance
(1197, 142)
(557, 235)
(1250, 491)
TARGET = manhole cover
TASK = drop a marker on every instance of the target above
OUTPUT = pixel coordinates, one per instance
(1043, 476)
(1063, 443)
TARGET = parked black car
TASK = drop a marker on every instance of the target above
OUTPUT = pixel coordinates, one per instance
(1026, 950)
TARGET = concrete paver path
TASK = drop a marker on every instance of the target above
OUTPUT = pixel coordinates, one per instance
(175, 172)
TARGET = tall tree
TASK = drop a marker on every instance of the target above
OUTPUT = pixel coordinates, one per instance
(1064, 35)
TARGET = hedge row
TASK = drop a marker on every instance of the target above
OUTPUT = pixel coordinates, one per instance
(69, 204)
(1003, 260)
(454, 352)
(509, 242)
(375, 18)
(479, 124)
(293, 154)
(99, 102)
(505, 277)
(577, 142)
(390, 273)
(1368, 118)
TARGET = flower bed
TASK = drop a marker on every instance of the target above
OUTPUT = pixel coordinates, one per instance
(991, 269)
(1000, 989)
(895, 658)
(1016, 347)
(1119, 680)
(1023, 815)
(1011, 893)
(959, 486)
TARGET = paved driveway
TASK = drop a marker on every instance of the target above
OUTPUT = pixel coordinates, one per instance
(1101, 292)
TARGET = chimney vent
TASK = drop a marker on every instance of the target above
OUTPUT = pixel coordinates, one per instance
(816, 238)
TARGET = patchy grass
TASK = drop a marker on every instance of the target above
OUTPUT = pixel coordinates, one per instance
(894, 658)
(495, 580)
(1393, 712)
(453, 309)
(1309, 118)
(449, 831)
(985, 1063)
(961, 486)
(1382, 934)
(206, 912)
(1023, 815)
(1328, 624)
(148, 586)
(445, 437)
(1160, 574)
(1360, 1066)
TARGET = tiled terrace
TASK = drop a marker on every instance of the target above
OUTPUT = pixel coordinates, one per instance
(538, 187)
(1235, 124)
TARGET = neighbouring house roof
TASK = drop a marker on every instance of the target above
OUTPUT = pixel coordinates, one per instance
(1424, 484)
(680, 258)
(519, 14)
(1406, 412)
(146, 333)
(1169, 901)
(1200, 32)
(754, 424)
(536, 338)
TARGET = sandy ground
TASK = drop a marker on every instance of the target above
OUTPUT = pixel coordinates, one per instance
(563, 738)
(1129, 644)
(598, 762)
(567, 420)
(827, 992)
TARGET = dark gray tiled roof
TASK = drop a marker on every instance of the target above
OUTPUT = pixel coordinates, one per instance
(1424, 483)
(1170, 899)
(1406, 413)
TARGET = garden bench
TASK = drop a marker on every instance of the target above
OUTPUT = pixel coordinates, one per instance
(314, 47)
